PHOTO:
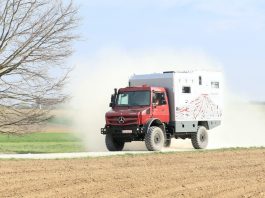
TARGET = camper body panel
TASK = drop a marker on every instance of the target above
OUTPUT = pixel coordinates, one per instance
(194, 97)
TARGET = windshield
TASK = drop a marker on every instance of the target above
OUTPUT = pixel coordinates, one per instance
(134, 98)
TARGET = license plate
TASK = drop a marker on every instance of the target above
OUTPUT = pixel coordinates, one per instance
(126, 131)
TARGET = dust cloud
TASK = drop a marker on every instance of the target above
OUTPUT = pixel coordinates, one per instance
(243, 125)
(93, 82)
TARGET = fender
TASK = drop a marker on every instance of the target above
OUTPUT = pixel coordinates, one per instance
(154, 122)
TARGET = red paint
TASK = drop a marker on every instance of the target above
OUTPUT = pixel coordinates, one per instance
(139, 115)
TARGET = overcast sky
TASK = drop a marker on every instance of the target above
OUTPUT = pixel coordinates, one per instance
(230, 31)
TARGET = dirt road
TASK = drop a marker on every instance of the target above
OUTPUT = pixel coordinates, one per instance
(187, 174)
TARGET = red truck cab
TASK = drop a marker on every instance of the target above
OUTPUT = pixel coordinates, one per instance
(134, 110)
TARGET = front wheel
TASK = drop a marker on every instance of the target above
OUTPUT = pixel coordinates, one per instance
(200, 139)
(154, 139)
(113, 144)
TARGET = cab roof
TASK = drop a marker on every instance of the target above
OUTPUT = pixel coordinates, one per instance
(141, 88)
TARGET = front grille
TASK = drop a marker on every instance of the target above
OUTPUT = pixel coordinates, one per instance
(128, 120)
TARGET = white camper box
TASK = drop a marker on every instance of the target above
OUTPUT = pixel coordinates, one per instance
(194, 96)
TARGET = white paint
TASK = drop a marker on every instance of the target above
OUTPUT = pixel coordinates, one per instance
(203, 103)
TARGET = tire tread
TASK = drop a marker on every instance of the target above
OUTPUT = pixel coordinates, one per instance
(148, 139)
(195, 140)
(113, 145)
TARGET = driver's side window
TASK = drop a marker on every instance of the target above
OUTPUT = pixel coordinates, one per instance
(159, 98)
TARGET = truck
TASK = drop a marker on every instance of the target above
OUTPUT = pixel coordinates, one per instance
(157, 107)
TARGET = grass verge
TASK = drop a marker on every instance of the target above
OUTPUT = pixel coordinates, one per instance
(40, 143)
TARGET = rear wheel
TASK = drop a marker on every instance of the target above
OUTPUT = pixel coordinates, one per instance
(154, 139)
(200, 139)
(113, 144)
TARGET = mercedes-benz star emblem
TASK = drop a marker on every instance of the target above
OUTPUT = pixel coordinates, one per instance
(121, 120)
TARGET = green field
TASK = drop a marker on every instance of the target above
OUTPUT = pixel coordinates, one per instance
(40, 143)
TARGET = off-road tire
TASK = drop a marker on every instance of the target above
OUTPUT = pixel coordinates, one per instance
(112, 144)
(154, 139)
(199, 140)
(167, 143)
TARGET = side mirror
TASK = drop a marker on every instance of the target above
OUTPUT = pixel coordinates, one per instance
(112, 98)
(112, 101)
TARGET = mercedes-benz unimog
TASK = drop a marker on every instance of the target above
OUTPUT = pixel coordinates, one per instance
(158, 107)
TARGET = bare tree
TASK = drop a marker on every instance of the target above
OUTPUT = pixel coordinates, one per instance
(35, 40)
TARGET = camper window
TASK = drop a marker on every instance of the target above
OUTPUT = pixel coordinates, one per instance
(215, 85)
(186, 90)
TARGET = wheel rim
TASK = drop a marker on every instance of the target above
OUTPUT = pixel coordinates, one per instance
(202, 137)
(157, 138)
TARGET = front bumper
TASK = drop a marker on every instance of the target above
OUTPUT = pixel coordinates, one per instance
(137, 132)
(118, 129)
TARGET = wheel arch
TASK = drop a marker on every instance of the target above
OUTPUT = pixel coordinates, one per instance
(154, 122)
(204, 123)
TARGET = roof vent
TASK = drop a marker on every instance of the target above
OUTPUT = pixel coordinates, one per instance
(169, 72)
